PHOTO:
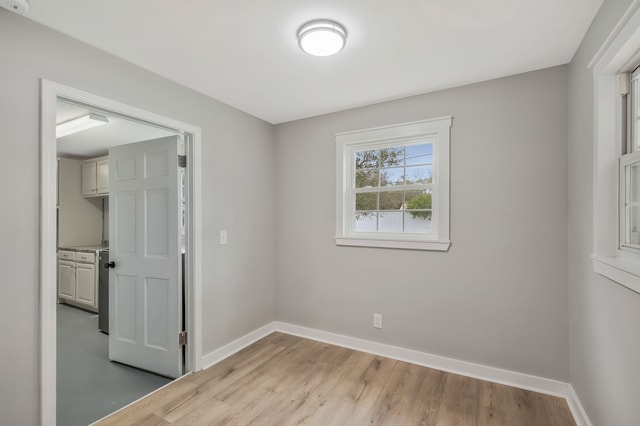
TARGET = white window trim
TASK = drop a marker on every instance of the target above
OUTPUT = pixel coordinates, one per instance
(618, 54)
(346, 142)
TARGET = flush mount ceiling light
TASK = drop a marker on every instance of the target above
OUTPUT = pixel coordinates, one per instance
(79, 124)
(18, 6)
(322, 37)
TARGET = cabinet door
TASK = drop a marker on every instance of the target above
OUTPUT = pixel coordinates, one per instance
(89, 180)
(66, 280)
(86, 283)
(102, 186)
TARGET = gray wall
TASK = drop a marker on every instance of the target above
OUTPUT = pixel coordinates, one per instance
(79, 217)
(238, 176)
(605, 348)
(499, 296)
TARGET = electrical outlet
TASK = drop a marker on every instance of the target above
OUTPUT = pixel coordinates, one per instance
(377, 320)
(223, 237)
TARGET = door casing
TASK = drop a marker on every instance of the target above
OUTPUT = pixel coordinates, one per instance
(51, 92)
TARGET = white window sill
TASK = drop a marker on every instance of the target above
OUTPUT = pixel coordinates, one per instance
(623, 272)
(433, 245)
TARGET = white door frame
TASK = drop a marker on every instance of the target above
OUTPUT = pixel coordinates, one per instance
(50, 93)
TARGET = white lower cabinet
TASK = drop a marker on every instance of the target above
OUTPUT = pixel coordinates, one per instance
(86, 283)
(66, 280)
(78, 279)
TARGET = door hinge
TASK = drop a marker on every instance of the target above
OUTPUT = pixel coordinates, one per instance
(182, 339)
(182, 161)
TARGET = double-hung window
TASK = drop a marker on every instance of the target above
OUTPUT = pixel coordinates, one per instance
(630, 169)
(616, 171)
(393, 186)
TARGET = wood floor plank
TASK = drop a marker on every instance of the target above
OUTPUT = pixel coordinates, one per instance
(251, 402)
(400, 393)
(233, 367)
(179, 408)
(207, 413)
(459, 402)
(372, 381)
(288, 380)
(497, 404)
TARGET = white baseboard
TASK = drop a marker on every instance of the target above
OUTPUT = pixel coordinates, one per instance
(464, 368)
(450, 365)
(579, 414)
(231, 348)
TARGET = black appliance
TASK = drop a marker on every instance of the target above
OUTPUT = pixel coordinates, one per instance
(103, 291)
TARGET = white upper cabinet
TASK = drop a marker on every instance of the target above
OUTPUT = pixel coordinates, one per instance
(89, 178)
(102, 176)
(95, 177)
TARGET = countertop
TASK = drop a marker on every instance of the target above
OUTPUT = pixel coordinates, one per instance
(89, 249)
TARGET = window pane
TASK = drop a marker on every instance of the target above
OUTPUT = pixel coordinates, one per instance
(418, 200)
(390, 177)
(365, 159)
(390, 222)
(633, 204)
(419, 174)
(633, 234)
(392, 157)
(634, 184)
(418, 221)
(366, 221)
(366, 178)
(419, 154)
(391, 200)
(635, 99)
(367, 201)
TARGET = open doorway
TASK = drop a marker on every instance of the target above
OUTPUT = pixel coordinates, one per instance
(89, 385)
(60, 104)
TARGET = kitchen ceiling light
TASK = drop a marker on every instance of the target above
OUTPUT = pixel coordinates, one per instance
(79, 124)
(322, 38)
(18, 6)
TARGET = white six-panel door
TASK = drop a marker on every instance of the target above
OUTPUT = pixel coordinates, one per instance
(145, 297)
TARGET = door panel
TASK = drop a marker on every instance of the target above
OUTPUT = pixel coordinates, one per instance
(157, 299)
(125, 209)
(146, 301)
(124, 310)
(157, 221)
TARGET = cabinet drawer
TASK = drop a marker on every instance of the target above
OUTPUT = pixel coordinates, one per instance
(85, 257)
(66, 255)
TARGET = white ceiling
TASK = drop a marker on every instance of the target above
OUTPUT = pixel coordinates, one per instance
(245, 53)
(97, 141)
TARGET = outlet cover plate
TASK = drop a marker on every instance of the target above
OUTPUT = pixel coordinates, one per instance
(377, 320)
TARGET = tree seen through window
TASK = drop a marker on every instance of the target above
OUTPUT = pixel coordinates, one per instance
(393, 188)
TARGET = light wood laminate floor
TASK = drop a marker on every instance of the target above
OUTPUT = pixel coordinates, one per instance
(287, 380)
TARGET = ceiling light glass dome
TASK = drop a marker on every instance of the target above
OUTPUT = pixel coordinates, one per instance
(322, 38)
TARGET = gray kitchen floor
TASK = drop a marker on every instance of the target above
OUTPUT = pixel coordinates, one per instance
(89, 386)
